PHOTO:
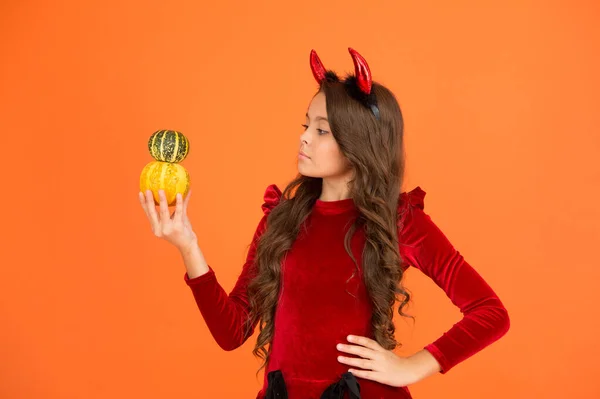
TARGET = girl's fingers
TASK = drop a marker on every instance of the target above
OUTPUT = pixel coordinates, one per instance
(143, 203)
(164, 207)
(151, 208)
(143, 200)
(366, 342)
(187, 201)
(178, 214)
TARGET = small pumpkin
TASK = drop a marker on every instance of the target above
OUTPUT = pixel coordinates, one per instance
(168, 176)
(168, 146)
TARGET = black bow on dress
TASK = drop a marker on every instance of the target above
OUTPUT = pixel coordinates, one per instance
(348, 383)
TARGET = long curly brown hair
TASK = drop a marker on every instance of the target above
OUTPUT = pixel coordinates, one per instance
(376, 153)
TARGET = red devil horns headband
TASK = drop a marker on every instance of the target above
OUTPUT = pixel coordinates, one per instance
(359, 85)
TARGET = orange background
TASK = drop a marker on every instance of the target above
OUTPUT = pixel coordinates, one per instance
(501, 105)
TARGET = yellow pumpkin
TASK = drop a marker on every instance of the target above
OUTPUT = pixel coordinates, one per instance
(168, 176)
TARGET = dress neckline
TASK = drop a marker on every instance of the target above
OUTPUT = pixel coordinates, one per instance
(334, 207)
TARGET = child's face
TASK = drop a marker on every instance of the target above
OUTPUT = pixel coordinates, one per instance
(325, 158)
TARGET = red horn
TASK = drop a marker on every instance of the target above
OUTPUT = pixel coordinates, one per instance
(318, 70)
(363, 73)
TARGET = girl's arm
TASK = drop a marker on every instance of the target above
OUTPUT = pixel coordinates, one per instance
(485, 319)
(225, 315)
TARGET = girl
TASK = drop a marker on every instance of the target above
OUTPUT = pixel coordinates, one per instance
(325, 265)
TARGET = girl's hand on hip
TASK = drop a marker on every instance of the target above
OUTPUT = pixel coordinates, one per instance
(376, 363)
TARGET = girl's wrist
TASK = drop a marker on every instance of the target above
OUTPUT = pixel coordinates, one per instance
(424, 364)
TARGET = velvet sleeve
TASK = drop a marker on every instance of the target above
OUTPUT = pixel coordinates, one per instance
(485, 319)
(225, 314)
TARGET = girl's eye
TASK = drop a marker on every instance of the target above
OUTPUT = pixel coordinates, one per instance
(321, 131)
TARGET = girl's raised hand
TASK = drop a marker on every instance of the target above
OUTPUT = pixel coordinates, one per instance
(174, 228)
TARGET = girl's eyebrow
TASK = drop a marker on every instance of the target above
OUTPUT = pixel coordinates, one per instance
(318, 118)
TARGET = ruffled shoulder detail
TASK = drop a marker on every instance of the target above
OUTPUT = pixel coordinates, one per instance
(272, 197)
(414, 198)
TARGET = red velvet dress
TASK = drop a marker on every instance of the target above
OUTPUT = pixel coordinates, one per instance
(320, 304)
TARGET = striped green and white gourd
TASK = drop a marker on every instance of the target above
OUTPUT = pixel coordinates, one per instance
(168, 146)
